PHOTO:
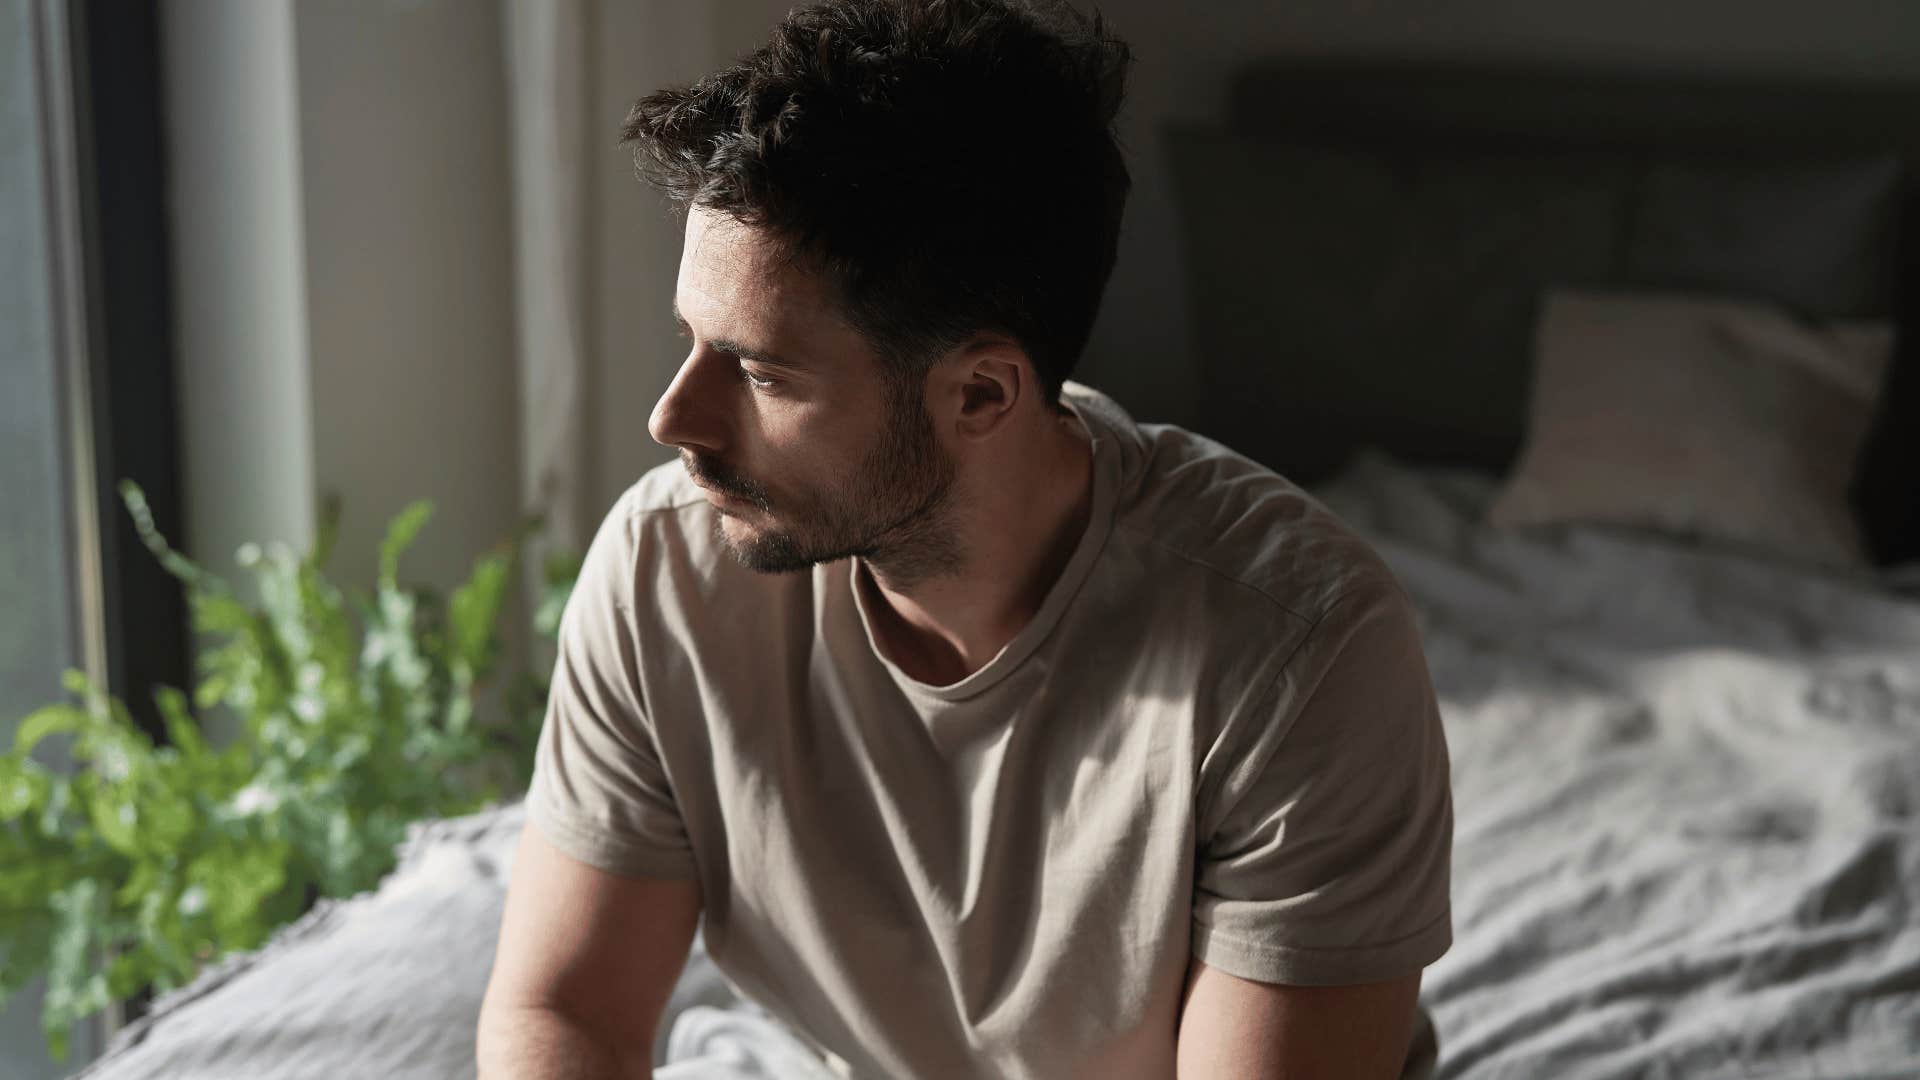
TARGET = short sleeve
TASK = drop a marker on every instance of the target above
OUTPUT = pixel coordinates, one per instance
(1326, 852)
(600, 792)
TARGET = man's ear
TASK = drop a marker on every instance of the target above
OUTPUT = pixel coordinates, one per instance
(991, 376)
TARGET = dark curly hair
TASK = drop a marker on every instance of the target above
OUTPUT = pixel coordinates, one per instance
(948, 166)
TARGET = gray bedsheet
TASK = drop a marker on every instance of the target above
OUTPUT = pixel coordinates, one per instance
(1686, 786)
(388, 984)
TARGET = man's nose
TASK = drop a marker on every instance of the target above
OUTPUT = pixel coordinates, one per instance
(694, 412)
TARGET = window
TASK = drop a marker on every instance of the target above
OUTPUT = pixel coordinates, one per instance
(86, 392)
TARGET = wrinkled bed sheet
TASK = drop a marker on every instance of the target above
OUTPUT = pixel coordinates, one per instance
(1685, 784)
(388, 984)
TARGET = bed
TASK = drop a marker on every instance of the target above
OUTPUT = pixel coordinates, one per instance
(1686, 771)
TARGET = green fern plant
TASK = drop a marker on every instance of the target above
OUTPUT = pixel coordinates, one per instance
(163, 859)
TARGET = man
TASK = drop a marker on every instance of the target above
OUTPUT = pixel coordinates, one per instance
(985, 731)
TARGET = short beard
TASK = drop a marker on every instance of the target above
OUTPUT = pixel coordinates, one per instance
(897, 513)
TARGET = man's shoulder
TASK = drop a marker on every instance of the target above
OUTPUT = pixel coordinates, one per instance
(1199, 504)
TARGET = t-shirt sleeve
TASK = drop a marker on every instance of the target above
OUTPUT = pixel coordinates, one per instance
(600, 792)
(1325, 849)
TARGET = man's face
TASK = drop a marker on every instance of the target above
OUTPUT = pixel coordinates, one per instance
(808, 449)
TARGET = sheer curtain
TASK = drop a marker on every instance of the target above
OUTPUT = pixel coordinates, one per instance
(550, 83)
(596, 252)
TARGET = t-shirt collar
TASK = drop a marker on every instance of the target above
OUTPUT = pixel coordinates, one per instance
(1106, 483)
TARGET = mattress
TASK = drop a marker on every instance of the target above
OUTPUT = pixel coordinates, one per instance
(1686, 786)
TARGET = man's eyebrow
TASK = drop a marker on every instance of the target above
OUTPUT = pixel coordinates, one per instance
(734, 348)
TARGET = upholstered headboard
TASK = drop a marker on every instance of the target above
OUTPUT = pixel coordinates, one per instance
(1366, 243)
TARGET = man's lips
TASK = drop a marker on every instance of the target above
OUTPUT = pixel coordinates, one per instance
(716, 493)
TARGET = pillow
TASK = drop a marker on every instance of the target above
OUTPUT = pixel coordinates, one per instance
(1708, 417)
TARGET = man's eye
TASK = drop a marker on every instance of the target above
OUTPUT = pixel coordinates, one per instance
(757, 382)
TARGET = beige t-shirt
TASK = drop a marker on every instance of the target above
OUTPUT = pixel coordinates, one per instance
(1216, 738)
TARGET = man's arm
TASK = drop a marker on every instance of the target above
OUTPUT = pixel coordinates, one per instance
(1234, 1027)
(585, 963)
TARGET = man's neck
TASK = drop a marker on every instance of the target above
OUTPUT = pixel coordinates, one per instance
(1019, 527)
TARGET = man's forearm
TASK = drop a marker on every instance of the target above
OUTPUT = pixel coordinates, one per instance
(544, 1044)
